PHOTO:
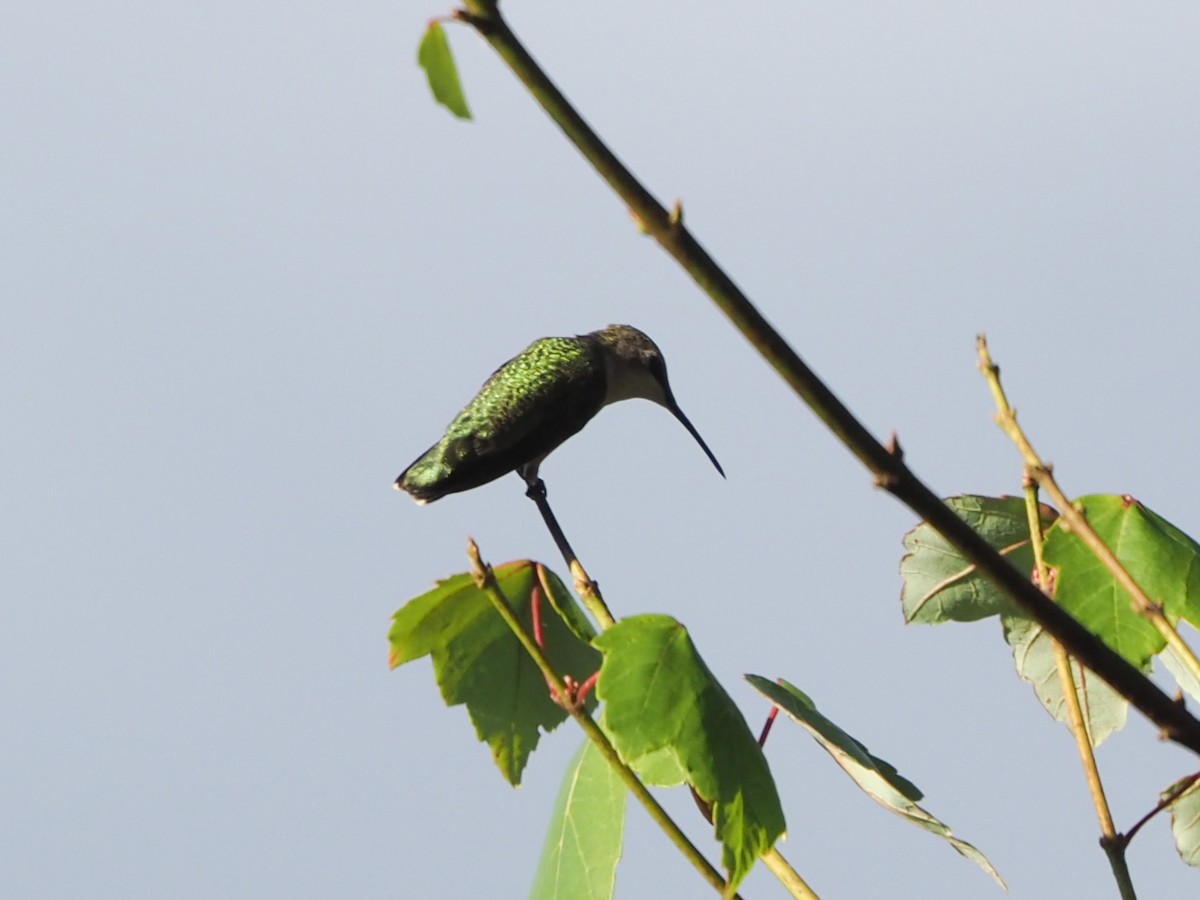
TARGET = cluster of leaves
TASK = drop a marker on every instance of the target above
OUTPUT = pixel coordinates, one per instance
(672, 723)
(668, 718)
(940, 585)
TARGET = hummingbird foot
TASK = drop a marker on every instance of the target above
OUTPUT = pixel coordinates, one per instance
(535, 488)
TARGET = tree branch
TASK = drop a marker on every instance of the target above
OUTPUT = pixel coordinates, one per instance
(885, 463)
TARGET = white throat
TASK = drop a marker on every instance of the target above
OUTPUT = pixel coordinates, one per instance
(626, 380)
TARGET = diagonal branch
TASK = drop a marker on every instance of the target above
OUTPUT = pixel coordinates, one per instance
(885, 463)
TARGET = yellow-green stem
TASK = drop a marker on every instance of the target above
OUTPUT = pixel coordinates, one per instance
(1066, 679)
(788, 877)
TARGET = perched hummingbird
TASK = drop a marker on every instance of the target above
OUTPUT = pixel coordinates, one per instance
(537, 400)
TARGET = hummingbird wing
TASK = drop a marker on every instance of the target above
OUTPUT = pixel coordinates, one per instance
(529, 406)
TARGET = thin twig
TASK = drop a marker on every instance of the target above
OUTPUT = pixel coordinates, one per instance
(587, 589)
(1181, 786)
(1070, 688)
(1078, 725)
(886, 464)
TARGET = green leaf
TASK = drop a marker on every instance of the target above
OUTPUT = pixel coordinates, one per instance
(583, 842)
(1185, 819)
(661, 767)
(941, 585)
(1163, 560)
(435, 58)
(876, 777)
(1104, 710)
(662, 701)
(478, 661)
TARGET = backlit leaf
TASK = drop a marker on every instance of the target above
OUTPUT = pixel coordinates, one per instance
(1104, 710)
(941, 585)
(583, 841)
(1183, 675)
(874, 776)
(1185, 820)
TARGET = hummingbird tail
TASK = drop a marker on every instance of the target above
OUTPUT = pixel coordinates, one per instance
(420, 496)
(422, 480)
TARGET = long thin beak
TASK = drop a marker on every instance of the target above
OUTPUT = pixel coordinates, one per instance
(678, 413)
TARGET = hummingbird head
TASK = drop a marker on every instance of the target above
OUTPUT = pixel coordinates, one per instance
(634, 367)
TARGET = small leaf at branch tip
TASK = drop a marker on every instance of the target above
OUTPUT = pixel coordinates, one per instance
(677, 213)
(435, 58)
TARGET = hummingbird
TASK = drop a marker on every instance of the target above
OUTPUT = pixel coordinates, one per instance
(537, 400)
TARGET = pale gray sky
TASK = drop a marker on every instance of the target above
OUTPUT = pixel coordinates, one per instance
(249, 270)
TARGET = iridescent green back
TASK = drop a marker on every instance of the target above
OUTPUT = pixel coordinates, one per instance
(529, 406)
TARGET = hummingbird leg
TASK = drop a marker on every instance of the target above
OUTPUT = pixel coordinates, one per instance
(535, 488)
